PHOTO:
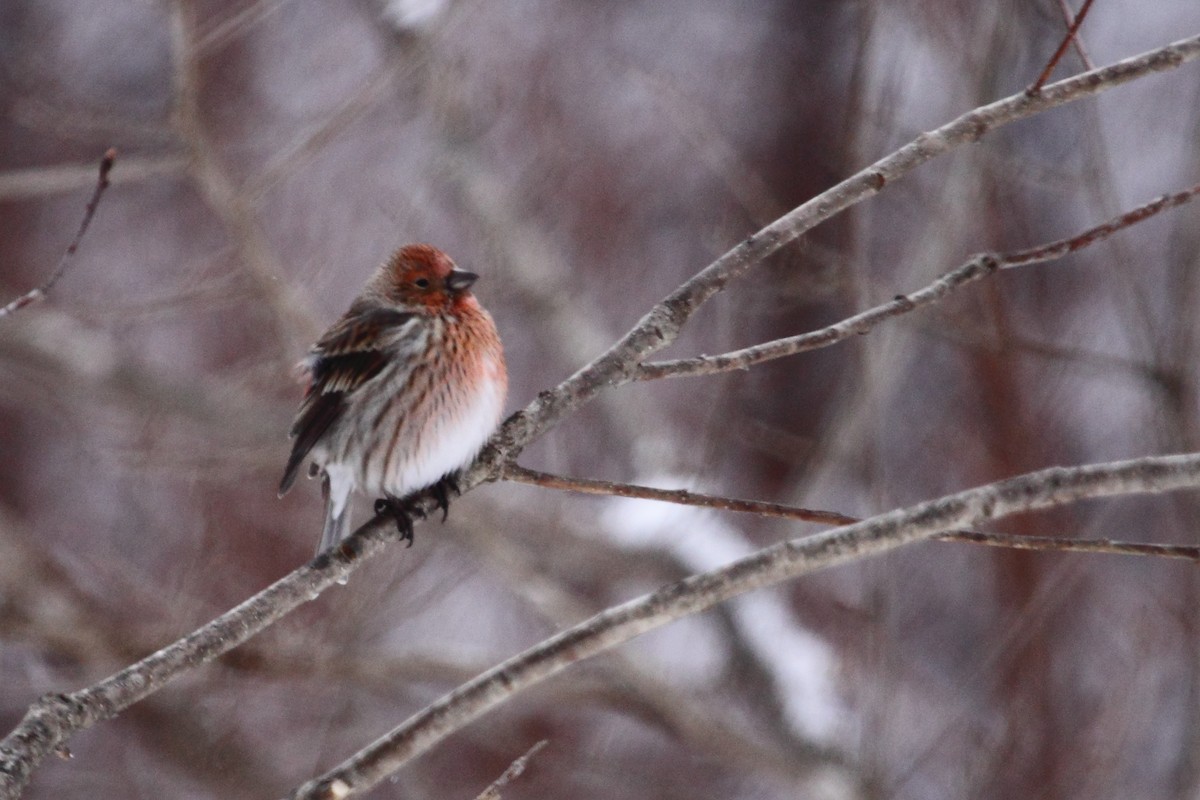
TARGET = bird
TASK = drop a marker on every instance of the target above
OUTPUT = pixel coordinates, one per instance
(402, 392)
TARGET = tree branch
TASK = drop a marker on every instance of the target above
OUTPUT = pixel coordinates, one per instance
(1069, 18)
(54, 718)
(979, 266)
(39, 293)
(683, 497)
(514, 771)
(1072, 31)
(661, 326)
(1033, 491)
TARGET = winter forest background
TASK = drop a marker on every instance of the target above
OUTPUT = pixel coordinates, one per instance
(586, 158)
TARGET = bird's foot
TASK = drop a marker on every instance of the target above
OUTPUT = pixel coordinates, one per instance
(402, 511)
(441, 493)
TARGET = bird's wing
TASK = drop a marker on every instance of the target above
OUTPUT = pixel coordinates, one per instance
(350, 354)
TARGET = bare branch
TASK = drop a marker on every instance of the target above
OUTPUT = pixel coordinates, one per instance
(1069, 18)
(514, 771)
(1062, 247)
(1072, 30)
(34, 295)
(661, 326)
(54, 718)
(1109, 546)
(764, 509)
(790, 559)
(979, 266)
(682, 497)
(538, 575)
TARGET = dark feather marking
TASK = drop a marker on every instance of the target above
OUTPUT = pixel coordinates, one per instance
(359, 330)
(344, 359)
(344, 373)
(316, 415)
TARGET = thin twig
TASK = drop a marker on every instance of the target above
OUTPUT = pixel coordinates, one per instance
(979, 266)
(1062, 48)
(1062, 247)
(1108, 546)
(514, 771)
(1069, 18)
(39, 293)
(783, 561)
(682, 497)
(685, 498)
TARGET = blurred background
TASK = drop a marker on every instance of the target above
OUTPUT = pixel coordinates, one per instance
(585, 158)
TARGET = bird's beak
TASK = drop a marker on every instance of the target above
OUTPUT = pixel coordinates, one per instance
(459, 280)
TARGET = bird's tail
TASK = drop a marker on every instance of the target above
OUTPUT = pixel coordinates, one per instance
(337, 516)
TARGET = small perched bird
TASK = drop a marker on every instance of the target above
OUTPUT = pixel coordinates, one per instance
(403, 390)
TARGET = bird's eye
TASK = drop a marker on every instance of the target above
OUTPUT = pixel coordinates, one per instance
(421, 283)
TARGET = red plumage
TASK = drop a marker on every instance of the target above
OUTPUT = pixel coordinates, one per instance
(403, 390)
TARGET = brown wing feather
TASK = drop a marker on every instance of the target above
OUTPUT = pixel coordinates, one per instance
(360, 330)
(349, 355)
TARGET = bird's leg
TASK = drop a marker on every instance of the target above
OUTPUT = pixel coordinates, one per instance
(402, 512)
(441, 493)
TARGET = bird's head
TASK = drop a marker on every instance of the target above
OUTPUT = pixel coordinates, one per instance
(420, 275)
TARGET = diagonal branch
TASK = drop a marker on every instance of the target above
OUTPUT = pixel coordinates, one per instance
(1033, 491)
(684, 497)
(1072, 33)
(492, 792)
(39, 293)
(54, 718)
(1069, 18)
(661, 326)
(979, 266)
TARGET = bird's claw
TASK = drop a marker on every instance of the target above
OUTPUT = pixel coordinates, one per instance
(402, 512)
(441, 493)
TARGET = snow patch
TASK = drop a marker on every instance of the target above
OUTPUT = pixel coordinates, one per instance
(802, 665)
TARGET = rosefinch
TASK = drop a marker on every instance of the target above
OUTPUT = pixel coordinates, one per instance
(403, 390)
